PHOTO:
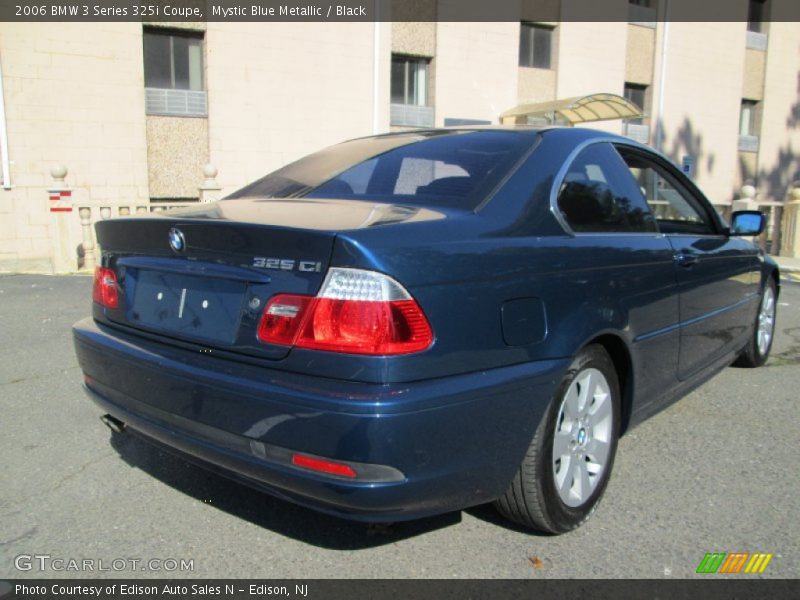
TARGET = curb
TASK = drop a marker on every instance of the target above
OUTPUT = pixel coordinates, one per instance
(788, 269)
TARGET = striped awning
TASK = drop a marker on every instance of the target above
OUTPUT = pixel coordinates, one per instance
(581, 109)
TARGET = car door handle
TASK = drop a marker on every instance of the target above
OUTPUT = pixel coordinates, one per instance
(687, 261)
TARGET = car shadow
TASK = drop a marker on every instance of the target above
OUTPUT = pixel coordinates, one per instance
(266, 511)
(488, 514)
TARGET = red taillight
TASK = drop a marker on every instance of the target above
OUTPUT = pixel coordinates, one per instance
(104, 290)
(356, 312)
(323, 466)
(360, 327)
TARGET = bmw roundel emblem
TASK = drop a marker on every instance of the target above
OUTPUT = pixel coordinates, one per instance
(176, 240)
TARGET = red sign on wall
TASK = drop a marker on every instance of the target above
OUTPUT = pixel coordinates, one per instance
(60, 200)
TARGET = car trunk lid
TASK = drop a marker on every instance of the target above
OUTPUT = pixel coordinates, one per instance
(234, 255)
(210, 290)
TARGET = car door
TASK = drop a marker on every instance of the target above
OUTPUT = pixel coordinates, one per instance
(621, 265)
(717, 274)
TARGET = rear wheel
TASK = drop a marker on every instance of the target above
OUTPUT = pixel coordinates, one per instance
(756, 352)
(568, 463)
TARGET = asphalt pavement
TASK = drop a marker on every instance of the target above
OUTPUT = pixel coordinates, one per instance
(716, 472)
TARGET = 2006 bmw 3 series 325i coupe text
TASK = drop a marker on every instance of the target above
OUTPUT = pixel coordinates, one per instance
(416, 323)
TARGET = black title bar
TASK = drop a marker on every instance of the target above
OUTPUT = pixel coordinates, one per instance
(707, 587)
(381, 10)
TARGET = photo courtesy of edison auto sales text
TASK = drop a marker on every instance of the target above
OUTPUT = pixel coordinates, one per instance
(144, 590)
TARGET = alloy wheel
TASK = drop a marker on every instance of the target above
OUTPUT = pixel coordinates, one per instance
(582, 437)
(766, 321)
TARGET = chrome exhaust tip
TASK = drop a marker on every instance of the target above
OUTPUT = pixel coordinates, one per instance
(113, 424)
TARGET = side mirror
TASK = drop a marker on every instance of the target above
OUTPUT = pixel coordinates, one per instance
(747, 223)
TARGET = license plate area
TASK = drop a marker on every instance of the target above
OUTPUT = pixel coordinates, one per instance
(199, 308)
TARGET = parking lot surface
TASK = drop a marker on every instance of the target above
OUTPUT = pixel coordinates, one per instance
(716, 472)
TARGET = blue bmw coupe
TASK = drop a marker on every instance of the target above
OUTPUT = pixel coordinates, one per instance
(419, 322)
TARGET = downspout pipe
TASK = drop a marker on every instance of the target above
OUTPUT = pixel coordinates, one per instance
(6, 162)
(376, 62)
(662, 79)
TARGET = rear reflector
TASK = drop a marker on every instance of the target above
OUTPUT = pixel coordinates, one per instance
(104, 289)
(323, 466)
(281, 319)
(355, 312)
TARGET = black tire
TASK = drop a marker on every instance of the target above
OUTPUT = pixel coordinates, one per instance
(752, 355)
(533, 499)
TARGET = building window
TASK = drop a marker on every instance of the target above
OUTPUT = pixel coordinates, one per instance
(636, 128)
(536, 46)
(748, 126)
(409, 107)
(747, 118)
(642, 12)
(756, 16)
(173, 73)
(409, 80)
(637, 94)
(173, 60)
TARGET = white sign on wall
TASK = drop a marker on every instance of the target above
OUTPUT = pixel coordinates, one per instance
(687, 166)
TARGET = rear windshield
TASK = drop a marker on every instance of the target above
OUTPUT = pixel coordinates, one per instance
(443, 169)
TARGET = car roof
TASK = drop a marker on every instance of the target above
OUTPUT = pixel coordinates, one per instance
(576, 134)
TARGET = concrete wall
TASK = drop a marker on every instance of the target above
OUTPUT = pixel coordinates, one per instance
(591, 60)
(74, 95)
(476, 70)
(415, 39)
(701, 114)
(779, 148)
(748, 168)
(277, 91)
(640, 55)
(177, 149)
(536, 85)
(755, 62)
(414, 27)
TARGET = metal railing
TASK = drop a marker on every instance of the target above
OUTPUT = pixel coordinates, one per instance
(748, 143)
(638, 132)
(409, 115)
(756, 40)
(183, 103)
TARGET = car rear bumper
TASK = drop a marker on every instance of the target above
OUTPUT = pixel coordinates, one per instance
(455, 441)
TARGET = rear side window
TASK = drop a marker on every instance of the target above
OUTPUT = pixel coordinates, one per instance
(599, 195)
